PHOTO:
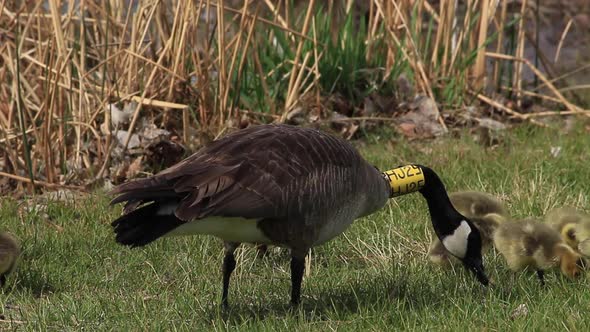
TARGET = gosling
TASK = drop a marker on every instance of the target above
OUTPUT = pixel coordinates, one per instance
(535, 245)
(9, 255)
(485, 211)
(477, 203)
(574, 227)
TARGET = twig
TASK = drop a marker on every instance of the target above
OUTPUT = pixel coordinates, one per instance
(520, 51)
(42, 183)
(555, 113)
(560, 44)
(358, 118)
(13, 136)
(550, 86)
(575, 87)
(265, 21)
(508, 110)
(12, 321)
(268, 115)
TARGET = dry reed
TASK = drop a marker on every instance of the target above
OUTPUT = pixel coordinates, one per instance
(64, 63)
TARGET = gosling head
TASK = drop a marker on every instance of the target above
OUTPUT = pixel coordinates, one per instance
(456, 232)
(571, 263)
(568, 233)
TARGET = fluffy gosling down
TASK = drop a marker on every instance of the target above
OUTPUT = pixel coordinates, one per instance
(485, 211)
(574, 227)
(9, 254)
(282, 185)
(535, 245)
(477, 203)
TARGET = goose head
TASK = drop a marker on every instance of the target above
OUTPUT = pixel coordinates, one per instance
(456, 232)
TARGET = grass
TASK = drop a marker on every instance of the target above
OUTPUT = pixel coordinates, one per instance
(374, 277)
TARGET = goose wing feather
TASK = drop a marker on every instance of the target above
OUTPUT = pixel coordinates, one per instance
(253, 173)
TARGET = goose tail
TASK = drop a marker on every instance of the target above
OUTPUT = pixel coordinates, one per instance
(145, 224)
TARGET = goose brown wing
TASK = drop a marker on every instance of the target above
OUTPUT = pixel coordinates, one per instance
(260, 172)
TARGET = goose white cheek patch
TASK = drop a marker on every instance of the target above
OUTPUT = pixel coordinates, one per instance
(456, 243)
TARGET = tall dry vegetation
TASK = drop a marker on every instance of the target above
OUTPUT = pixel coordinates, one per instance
(198, 66)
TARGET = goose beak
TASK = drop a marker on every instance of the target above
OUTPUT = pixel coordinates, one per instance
(480, 274)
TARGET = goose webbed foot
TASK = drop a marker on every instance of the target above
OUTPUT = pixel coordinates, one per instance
(229, 264)
(297, 269)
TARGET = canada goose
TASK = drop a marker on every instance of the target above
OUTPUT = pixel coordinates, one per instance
(283, 185)
(9, 254)
(484, 210)
(574, 227)
(529, 243)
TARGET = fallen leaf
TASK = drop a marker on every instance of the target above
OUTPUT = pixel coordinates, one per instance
(521, 311)
(404, 87)
(119, 116)
(150, 132)
(134, 168)
(296, 116)
(491, 124)
(424, 116)
(407, 129)
(134, 142)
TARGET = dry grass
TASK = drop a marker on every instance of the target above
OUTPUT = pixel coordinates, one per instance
(185, 64)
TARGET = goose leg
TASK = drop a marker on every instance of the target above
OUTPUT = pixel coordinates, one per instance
(541, 275)
(297, 269)
(229, 264)
(2, 280)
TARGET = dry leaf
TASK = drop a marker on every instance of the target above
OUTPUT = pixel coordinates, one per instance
(555, 151)
(424, 116)
(134, 142)
(521, 311)
(407, 129)
(150, 132)
(491, 124)
(405, 89)
(119, 116)
(134, 168)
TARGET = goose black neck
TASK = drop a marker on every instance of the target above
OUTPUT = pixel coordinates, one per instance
(445, 218)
